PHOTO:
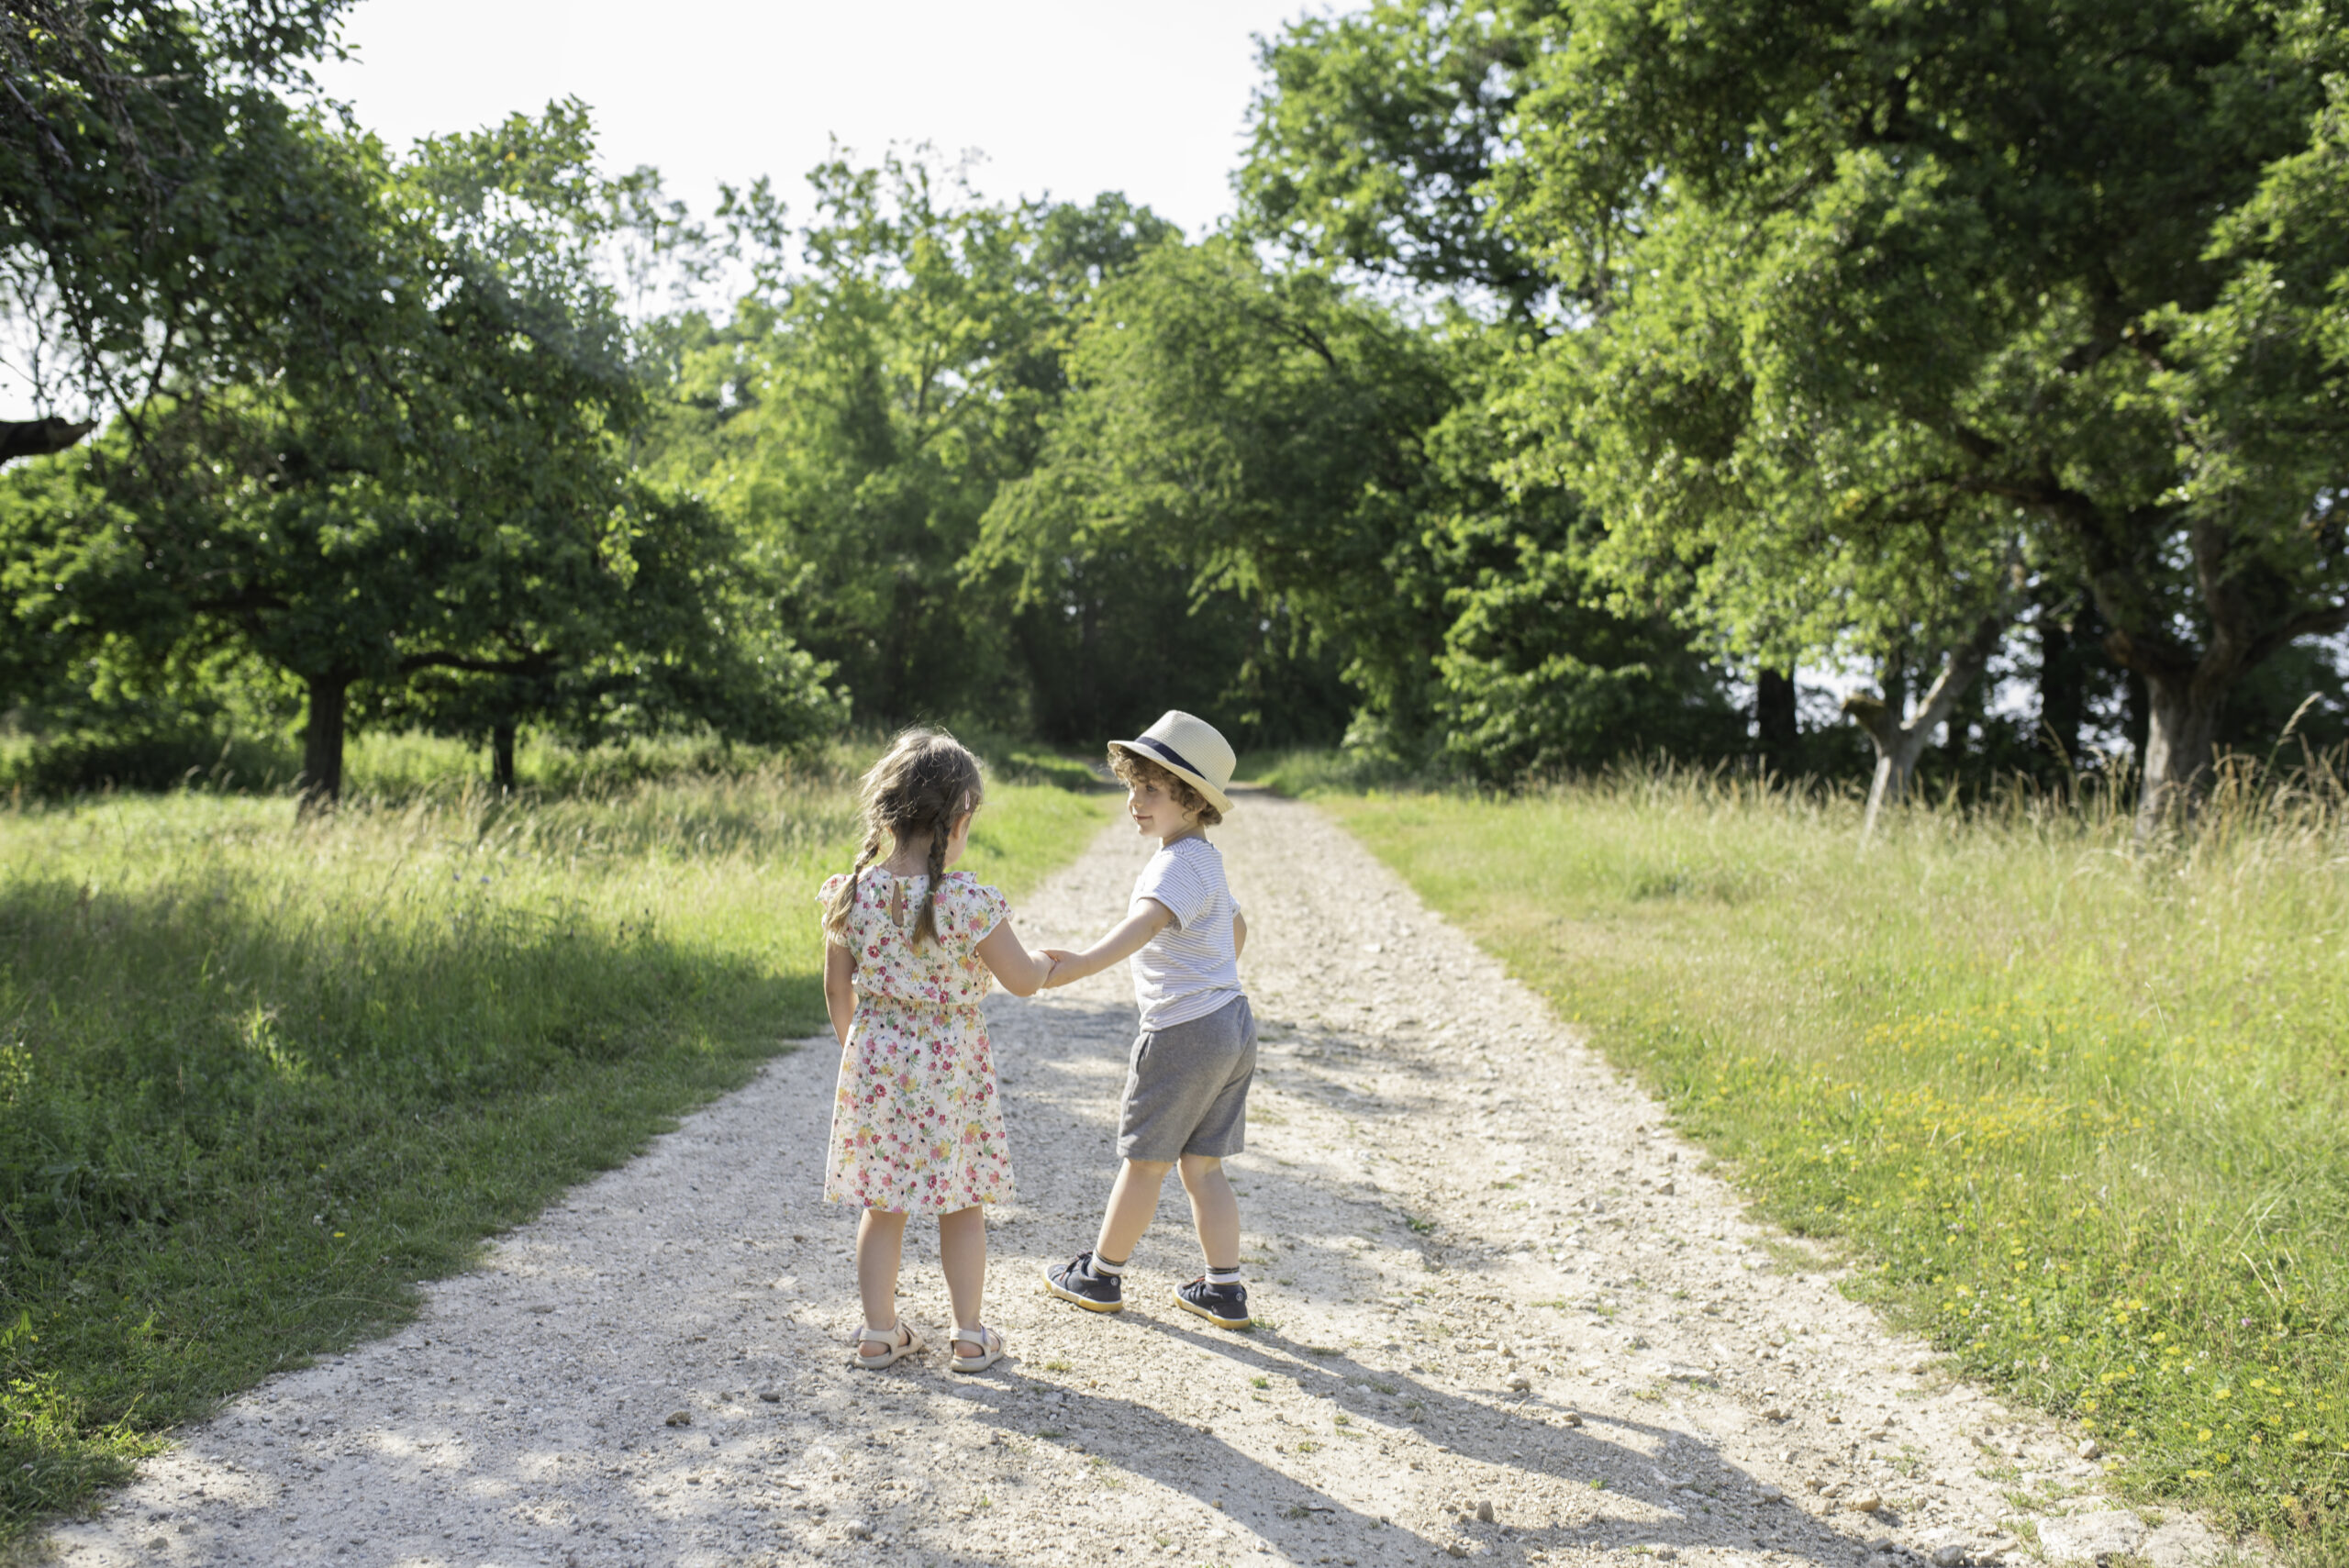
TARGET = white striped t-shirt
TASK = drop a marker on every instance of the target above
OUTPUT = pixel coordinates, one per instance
(1191, 967)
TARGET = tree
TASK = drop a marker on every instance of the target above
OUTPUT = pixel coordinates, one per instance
(1776, 720)
(2255, 382)
(1258, 434)
(1272, 436)
(1929, 256)
(1893, 271)
(152, 181)
(1537, 674)
(1375, 142)
(433, 487)
(890, 370)
(853, 419)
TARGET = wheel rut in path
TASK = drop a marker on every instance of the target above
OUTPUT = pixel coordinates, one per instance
(1489, 1272)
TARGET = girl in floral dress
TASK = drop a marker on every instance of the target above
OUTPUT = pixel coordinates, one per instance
(917, 1124)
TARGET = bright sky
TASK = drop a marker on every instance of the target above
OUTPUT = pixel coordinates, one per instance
(1062, 97)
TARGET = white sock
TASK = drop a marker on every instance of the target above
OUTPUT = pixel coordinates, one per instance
(1223, 1276)
(1102, 1268)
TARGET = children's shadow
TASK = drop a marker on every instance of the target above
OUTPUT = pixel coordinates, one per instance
(1394, 1506)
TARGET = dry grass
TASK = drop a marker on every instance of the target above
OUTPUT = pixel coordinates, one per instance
(257, 1077)
(2079, 1106)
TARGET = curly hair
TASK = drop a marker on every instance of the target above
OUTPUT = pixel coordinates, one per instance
(923, 784)
(1132, 770)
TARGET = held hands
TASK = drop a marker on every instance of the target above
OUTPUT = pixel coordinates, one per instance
(1146, 919)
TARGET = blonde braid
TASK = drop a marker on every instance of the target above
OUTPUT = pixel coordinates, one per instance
(836, 912)
(926, 923)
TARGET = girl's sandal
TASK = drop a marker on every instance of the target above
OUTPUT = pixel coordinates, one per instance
(990, 1349)
(895, 1353)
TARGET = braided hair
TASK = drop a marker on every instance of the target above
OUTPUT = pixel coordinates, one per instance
(922, 784)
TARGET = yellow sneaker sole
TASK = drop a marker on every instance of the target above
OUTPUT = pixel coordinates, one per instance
(1197, 1311)
(1089, 1305)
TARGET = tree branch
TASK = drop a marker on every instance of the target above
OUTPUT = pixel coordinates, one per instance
(533, 665)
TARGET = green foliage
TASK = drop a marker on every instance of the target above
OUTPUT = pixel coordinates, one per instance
(1867, 309)
(1537, 675)
(2008, 1063)
(1979, 300)
(1538, 679)
(154, 185)
(860, 414)
(257, 1078)
(1316, 770)
(1375, 137)
(853, 421)
(1259, 432)
(1287, 441)
(425, 509)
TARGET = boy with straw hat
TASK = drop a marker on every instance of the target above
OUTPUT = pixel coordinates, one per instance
(1187, 1087)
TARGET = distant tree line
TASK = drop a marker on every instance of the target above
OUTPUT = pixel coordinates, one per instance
(1572, 376)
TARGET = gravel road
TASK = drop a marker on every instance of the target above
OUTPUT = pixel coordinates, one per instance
(1506, 1315)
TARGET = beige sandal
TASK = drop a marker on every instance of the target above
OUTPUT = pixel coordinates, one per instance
(897, 1352)
(990, 1345)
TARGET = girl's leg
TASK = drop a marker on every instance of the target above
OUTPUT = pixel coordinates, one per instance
(1215, 1210)
(1132, 1202)
(880, 1244)
(963, 1255)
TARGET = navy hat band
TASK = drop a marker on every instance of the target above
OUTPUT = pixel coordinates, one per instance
(1168, 752)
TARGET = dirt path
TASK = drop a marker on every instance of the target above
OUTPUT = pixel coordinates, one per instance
(1488, 1274)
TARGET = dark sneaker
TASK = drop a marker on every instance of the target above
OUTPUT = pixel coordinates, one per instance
(1225, 1306)
(1076, 1282)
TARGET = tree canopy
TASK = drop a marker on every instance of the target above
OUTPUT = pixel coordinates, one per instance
(431, 484)
(1860, 305)
(155, 185)
(1575, 374)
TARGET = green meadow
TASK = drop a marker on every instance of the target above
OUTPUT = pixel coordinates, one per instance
(2079, 1113)
(257, 1077)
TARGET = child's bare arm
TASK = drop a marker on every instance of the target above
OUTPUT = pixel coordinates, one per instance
(1147, 918)
(1019, 970)
(839, 989)
(1238, 933)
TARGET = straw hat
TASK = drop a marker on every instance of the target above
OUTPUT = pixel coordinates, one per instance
(1190, 750)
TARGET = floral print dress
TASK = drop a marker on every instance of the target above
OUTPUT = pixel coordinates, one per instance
(916, 1123)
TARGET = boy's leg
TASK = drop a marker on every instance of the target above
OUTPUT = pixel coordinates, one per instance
(1132, 1204)
(1095, 1280)
(880, 1244)
(1218, 1295)
(1215, 1210)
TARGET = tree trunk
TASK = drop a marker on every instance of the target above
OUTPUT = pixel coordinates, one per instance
(1968, 711)
(321, 785)
(2063, 680)
(2181, 738)
(1895, 769)
(2136, 716)
(1774, 720)
(501, 756)
(1896, 681)
(1897, 744)
(2253, 609)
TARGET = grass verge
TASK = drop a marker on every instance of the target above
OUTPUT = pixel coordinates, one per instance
(2082, 1114)
(256, 1078)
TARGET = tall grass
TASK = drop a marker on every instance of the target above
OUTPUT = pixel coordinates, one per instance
(387, 767)
(2080, 1108)
(258, 1076)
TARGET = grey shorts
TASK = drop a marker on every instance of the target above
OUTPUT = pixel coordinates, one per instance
(1187, 1088)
